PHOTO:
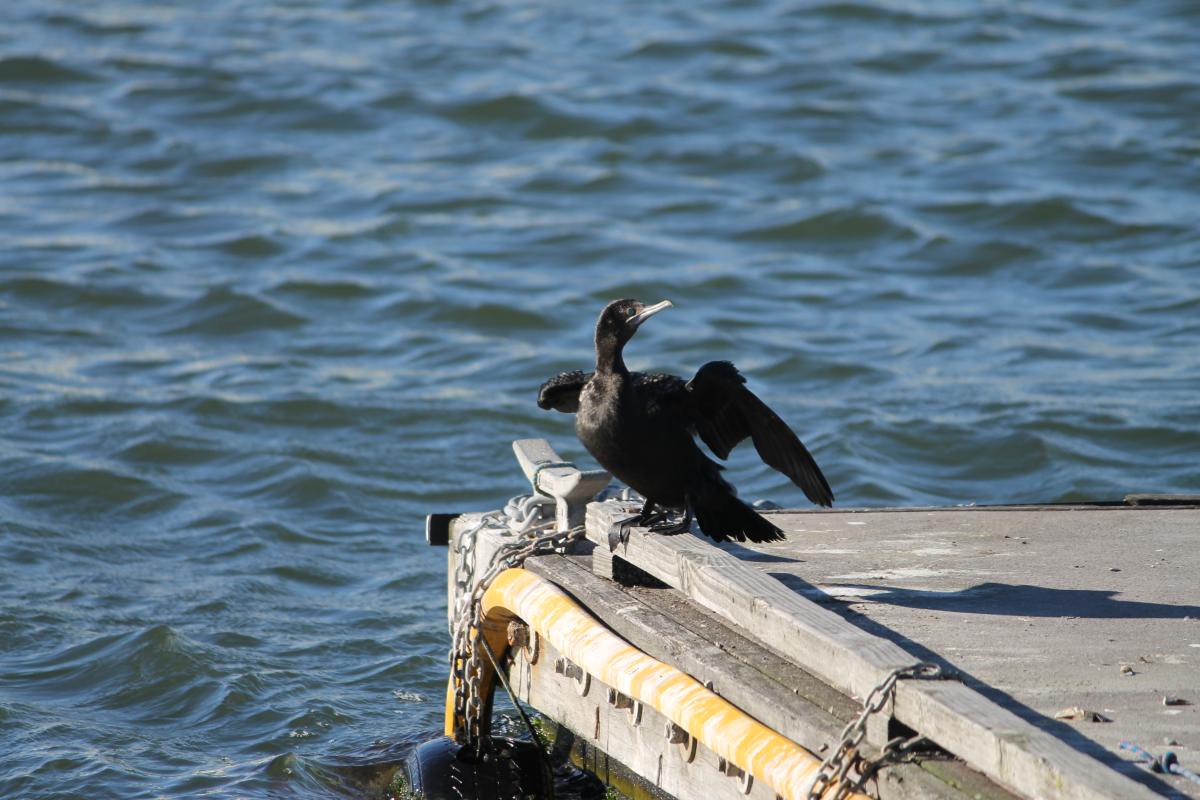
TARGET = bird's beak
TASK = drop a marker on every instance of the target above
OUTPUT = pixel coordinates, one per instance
(646, 313)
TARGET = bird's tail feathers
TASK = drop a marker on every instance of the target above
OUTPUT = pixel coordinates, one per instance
(722, 515)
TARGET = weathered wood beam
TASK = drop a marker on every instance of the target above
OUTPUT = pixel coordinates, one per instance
(991, 739)
(669, 627)
(667, 639)
(753, 600)
(762, 683)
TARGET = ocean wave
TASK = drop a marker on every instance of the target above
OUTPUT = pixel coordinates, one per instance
(1057, 216)
(538, 117)
(85, 491)
(226, 311)
(834, 226)
(83, 296)
(278, 281)
(116, 671)
(40, 69)
(674, 49)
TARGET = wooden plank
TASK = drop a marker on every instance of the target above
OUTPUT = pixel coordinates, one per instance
(1026, 602)
(1177, 500)
(754, 601)
(933, 778)
(999, 743)
(995, 741)
(583, 754)
(605, 565)
(762, 683)
(804, 722)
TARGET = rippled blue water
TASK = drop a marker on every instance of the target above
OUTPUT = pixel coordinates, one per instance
(278, 278)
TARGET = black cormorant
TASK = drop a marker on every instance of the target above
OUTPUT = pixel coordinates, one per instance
(641, 428)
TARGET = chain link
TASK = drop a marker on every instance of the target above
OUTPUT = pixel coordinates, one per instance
(835, 769)
(522, 517)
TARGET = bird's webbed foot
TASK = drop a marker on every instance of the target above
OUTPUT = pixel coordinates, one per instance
(648, 517)
(650, 520)
(669, 528)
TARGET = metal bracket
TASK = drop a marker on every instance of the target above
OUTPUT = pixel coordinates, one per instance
(745, 779)
(524, 638)
(572, 671)
(626, 703)
(687, 743)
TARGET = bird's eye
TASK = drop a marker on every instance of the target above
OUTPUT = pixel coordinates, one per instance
(631, 313)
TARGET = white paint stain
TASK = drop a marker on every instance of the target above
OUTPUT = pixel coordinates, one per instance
(820, 592)
(893, 574)
(829, 552)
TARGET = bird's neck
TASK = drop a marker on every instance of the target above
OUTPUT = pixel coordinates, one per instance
(609, 360)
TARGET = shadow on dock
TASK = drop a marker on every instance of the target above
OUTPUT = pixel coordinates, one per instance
(1014, 600)
(1019, 600)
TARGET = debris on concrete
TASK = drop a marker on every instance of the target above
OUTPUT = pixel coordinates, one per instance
(1077, 714)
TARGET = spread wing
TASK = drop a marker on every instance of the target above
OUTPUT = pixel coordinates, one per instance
(561, 392)
(726, 413)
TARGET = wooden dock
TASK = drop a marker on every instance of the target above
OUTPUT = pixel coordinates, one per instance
(1041, 609)
(1032, 611)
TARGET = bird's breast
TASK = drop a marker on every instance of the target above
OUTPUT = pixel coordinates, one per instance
(625, 432)
(598, 418)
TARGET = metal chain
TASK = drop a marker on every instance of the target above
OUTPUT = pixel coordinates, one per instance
(522, 516)
(835, 769)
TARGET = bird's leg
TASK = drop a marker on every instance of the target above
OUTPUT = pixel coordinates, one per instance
(646, 518)
(672, 528)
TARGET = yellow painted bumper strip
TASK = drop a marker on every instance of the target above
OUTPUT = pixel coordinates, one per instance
(720, 726)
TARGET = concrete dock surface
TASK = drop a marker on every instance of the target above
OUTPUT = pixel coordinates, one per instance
(1091, 613)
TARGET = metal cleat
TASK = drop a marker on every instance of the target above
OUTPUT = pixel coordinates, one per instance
(571, 488)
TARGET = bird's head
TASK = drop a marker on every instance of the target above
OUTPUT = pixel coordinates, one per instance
(618, 322)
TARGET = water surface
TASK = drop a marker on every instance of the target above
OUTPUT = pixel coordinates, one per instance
(279, 278)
